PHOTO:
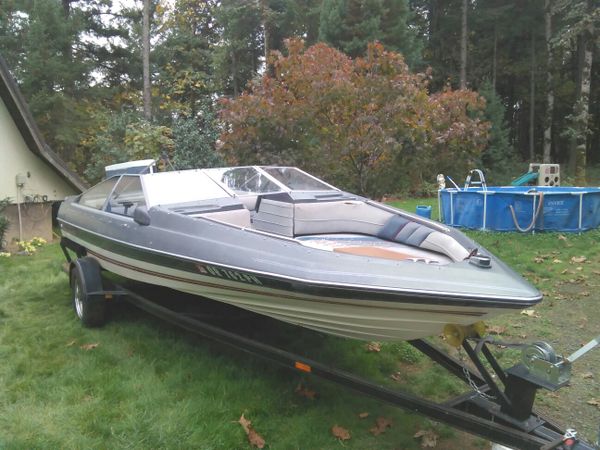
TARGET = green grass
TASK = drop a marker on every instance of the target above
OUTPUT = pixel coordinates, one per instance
(150, 385)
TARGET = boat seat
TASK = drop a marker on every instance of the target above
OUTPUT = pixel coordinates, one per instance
(405, 231)
(345, 216)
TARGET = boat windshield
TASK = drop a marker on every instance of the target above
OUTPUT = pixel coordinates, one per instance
(244, 180)
(261, 180)
(296, 180)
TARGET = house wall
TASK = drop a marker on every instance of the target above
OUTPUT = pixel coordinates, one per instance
(36, 222)
(16, 158)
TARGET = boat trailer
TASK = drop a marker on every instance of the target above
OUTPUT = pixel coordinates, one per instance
(502, 415)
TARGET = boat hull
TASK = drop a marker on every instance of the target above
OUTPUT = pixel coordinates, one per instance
(347, 314)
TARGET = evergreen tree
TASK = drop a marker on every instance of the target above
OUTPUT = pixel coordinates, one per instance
(350, 25)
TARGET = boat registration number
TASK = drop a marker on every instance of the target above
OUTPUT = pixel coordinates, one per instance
(229, 274)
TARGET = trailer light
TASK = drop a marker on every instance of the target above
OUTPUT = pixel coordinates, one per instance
(303, 367)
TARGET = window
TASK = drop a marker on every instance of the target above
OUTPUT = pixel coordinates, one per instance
(96, 196)
(127, 196)
(248, 180)
(296, 180)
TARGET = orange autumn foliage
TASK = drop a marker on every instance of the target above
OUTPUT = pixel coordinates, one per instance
(360, 123)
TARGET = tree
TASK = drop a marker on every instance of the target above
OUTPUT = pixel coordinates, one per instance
(195, 140)
(147, 95)
(350, 121)
(350, 25)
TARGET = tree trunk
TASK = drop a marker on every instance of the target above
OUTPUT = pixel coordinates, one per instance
(147, 94)
(549, 81)
(495, 58)
(264, 10)
(582, 113)
(234, 75)
(463, 46)
(532, 101)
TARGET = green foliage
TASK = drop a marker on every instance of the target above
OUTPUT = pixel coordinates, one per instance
(350, 25)
(354, 122)
(194, 141)
(4, 223)
(499, 158)
(124, 137)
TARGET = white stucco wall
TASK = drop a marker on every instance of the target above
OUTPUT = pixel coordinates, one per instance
(15, 158)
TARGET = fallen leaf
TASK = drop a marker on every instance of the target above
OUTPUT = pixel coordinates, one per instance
(523, 336)
(381, 424)
(587, 375)
(397, 376)
(596, 272)
(584, 293)
(89, 346)
(538, 260)
(303, 391)
(496, 329)
(564, 272)
(245, 423)
(254, 438)
(72, 343)
(530, 313)
(373, 347)
(428, 438)
(552, 394)
(578, 259)
(556, 261)
(594, 402)
(562, 237)
(340, 433)
(363, 415)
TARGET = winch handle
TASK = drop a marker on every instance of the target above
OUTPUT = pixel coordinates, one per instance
(583, 350)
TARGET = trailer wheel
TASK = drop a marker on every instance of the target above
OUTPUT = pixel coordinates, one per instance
(86, 288)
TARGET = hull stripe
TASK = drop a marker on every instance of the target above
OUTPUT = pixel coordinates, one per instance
(271, 294)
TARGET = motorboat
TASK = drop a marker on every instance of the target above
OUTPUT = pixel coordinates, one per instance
(280, 242)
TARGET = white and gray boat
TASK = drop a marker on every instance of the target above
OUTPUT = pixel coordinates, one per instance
(280, 242)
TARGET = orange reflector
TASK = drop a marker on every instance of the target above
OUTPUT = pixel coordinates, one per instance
(108, 296)
(303, 367)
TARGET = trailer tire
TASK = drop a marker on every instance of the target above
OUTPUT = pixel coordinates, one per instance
(86, 287)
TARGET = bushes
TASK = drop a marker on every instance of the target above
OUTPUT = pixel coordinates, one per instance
(366, 124)
(4, 223)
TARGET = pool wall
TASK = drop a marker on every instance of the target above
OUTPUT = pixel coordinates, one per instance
(571, 209)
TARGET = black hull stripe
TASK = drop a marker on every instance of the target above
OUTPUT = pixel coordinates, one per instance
(186, 264)
(272, 294)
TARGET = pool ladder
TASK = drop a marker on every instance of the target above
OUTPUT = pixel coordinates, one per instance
(469, 182)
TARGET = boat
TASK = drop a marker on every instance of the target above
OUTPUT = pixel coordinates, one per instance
(280, 242)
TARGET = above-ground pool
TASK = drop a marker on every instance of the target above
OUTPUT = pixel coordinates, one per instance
(521, 208)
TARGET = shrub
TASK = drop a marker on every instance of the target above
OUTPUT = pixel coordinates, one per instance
(4, 223)
(367, 124)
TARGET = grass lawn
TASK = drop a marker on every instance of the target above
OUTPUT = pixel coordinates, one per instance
(144, 384)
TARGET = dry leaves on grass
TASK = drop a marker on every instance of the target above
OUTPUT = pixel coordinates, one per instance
(556, 261)
(381, 424)
(340, 433)
(71, 343)
(89, 346)
(562, 237)
(397, 376)
(254, 438)
(303, 391)
(496, 329)
(363, 415)
(594, 402)
(530, 313)
(428, 438)
(538, 260)
(578, 259)
(374, 347)
(587, 375)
